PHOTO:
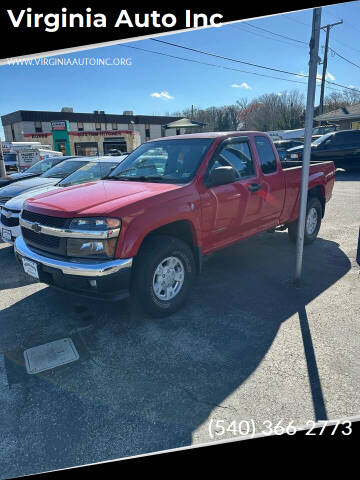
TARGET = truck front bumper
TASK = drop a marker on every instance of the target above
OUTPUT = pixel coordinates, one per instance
(109, 279)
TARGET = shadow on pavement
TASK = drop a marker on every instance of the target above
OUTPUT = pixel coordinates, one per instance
(149, 384)
(10, 275)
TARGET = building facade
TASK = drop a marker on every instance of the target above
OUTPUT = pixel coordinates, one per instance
(347, 117)
(86, 133)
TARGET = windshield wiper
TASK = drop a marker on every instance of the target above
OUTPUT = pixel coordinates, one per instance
(138, 179)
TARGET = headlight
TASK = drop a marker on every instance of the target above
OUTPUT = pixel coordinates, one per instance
(79, 247)
(89, 246)
(95, 223)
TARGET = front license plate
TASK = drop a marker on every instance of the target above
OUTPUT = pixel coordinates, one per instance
(293, 155)
(30, 268)
(6, 235)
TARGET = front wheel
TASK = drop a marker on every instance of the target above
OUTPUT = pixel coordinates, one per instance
(164, 273)
(312, 222)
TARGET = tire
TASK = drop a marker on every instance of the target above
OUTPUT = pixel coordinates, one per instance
(164, 273)
(312, 222)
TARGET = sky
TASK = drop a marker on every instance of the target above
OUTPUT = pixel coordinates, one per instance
(157, 84)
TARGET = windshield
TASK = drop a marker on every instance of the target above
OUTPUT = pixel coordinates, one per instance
(322, 130)
(88, 173)
(43, 166)
(322, 139)
(166, 161)
(63, 169)
(10, 157)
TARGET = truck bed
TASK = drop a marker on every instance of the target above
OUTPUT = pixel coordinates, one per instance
(297, 163)
(321, 176)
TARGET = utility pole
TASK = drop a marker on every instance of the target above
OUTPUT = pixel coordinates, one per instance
(309, 115)
(327, 28)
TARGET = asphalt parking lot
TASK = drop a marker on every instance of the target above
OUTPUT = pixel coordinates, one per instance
(249, 345)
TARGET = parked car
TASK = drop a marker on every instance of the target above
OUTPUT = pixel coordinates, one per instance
(51, 177)
(28, 157)
(10, 161)
(36, 170)
(283, 145)
(173, 200)
(342, 147)
(115, 152)
(94, 169)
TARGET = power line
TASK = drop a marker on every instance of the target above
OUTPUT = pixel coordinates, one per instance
(212, 64)
(248, 63)
(287, 17)
(277, 34)
(219, 66)
(238, 27)
(228, 58)
(346, 59)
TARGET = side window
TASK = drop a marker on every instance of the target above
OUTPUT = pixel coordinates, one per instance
(266, 155)
(354, 138)
(341, 139)
(46, 165)
(238, 156)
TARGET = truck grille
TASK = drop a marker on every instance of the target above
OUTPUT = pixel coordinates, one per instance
(56, 222)
(9, 222)
(41, 239)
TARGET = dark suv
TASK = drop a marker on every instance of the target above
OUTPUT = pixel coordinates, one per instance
(283, 145)
(342, 147)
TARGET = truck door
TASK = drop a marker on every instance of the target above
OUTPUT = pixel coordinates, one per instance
(230, 209)
(272, 181)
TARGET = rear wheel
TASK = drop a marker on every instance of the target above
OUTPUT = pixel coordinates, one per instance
(312, 222)
(164, 273)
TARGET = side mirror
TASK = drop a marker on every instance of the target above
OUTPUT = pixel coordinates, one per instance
(222, 176)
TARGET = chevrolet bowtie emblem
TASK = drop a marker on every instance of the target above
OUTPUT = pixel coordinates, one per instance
(36, 227)
(7, 214)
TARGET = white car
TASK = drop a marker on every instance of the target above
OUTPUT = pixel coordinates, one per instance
(96, 169)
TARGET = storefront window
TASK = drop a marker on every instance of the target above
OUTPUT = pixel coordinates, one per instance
(87, 149)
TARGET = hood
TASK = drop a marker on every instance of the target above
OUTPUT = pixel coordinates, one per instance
(17, 202)
(22, 186)
(14, 177)
(297, 149)
(97, 198)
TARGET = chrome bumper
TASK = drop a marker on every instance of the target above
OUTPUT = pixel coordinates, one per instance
(85, 268)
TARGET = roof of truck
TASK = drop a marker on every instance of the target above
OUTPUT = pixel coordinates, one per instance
(208, 135)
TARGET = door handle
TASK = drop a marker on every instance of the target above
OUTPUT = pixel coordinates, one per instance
(254, 187)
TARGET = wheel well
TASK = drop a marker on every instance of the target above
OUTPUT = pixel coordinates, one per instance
(319, 193)
(183, 230)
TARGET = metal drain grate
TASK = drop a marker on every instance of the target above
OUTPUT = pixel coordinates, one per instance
(50, 355)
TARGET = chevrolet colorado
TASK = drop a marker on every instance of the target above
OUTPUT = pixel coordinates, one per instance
(173, 200)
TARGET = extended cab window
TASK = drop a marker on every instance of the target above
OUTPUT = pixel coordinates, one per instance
(236, 155)
(266, 155)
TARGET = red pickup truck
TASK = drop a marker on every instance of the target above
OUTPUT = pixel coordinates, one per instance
(173, 200)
